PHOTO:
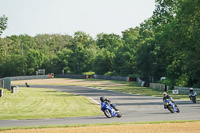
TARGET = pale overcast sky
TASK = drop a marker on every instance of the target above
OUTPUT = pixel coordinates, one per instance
(68, 16)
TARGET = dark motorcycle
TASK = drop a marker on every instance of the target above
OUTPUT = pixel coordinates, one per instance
(193, 97)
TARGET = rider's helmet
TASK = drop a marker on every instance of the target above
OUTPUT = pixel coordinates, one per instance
(102, 99)
(164, 94)
(191, 89)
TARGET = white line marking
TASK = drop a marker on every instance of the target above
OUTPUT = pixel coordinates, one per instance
(94, 101)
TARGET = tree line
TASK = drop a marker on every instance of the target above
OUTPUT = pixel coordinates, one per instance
(165, 45)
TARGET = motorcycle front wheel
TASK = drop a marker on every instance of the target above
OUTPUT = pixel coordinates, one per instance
(171, 109)
(107, 113)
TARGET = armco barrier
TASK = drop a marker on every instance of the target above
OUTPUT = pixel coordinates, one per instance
(29, 77)
(74, 76)
(111, 77)
(7, 83)
(1, 83)
(80, 76)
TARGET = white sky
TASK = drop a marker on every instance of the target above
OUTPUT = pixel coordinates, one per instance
(68, 16)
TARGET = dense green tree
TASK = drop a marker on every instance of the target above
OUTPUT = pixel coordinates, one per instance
(34, 61)
(109, 45)
(145, 52)
(124, 61)
(5, 55)
(103, 62)
(188, 32)
(81, 56)
(3, 23)
(61, 61)
(164, 12)
(108, 41)
(50, 45)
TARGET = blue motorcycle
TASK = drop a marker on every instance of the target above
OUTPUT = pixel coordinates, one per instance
(109, 111)
(171, 106)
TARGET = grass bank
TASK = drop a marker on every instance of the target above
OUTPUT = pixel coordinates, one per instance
(37, 103)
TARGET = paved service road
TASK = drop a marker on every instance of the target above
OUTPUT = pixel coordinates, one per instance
(134, 108)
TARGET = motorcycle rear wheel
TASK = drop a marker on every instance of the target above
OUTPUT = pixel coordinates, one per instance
(178, 110)
(194, 100)
(119, 115)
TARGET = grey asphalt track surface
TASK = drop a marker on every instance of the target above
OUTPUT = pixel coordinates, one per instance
(134, 108)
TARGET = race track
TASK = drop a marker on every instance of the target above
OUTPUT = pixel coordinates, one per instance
(134, 108)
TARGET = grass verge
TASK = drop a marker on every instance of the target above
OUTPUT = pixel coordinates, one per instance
(96, 124)
(37, 103)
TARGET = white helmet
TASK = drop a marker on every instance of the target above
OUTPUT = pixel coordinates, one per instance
(164, 94)
(191, 88)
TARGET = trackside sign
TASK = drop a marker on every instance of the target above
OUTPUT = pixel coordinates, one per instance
(175, 92)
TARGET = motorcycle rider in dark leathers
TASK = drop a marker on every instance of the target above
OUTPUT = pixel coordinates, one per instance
(165, 97)
(191, 93)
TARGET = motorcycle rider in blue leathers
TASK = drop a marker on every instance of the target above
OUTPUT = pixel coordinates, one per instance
(102, 99)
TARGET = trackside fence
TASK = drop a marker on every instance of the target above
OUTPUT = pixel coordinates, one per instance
(185, 90)
(118, 78)
(73, 76)
(1, 83)
(6, 82)
(80, 76)
(29, 77)
(157, 86)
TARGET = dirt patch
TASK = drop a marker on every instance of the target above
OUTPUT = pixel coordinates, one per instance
(188, 127)
(65, 81)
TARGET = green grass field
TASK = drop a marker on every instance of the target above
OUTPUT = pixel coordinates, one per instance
(36, 103)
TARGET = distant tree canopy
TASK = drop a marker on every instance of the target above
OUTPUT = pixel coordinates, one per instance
(167, 44)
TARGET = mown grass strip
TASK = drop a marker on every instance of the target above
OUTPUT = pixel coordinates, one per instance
(37, 103)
